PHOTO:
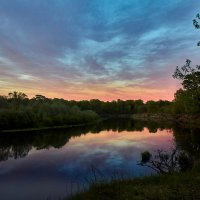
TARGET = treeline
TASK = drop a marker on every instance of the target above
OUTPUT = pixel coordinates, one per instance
(17, 111)
(120, 107)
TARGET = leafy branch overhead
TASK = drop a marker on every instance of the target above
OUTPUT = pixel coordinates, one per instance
(190, 77)
(196, 24)
(188, 98)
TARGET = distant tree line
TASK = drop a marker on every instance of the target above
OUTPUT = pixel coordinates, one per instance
(17, 111)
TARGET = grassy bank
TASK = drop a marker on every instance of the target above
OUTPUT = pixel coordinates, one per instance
(178, 186)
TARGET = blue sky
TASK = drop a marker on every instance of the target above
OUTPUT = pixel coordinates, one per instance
(106, 49)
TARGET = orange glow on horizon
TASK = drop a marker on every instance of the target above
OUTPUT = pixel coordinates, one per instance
(101, 93)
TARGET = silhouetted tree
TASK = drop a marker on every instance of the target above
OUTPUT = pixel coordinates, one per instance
(17, 95)
(39, 97)
(164, 162)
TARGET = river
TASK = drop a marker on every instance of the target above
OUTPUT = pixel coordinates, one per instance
(53, 164)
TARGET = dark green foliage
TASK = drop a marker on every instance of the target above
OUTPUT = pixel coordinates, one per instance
(158, 106)
(196, 24)
(127, 107)
(19, 112)
(185, 162)
(185, 103)
(118, 107)
(146, 156)
(187, 100)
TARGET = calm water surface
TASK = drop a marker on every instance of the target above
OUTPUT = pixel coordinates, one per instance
(53, 164)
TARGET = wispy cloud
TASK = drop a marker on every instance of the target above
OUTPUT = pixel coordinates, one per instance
(95, 49)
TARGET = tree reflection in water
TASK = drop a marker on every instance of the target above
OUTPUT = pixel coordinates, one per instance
(18, 145)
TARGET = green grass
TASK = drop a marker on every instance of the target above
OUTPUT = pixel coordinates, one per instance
(179, 186)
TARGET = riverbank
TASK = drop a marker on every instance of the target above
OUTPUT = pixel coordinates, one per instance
(182, 119)
(49, 127)
(185, 186)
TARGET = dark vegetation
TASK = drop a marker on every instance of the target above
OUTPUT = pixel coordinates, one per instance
(177, 186)
(187, 100)
(17, 111)
(167, 162)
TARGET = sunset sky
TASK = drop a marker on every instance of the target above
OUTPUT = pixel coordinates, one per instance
(96, 49)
